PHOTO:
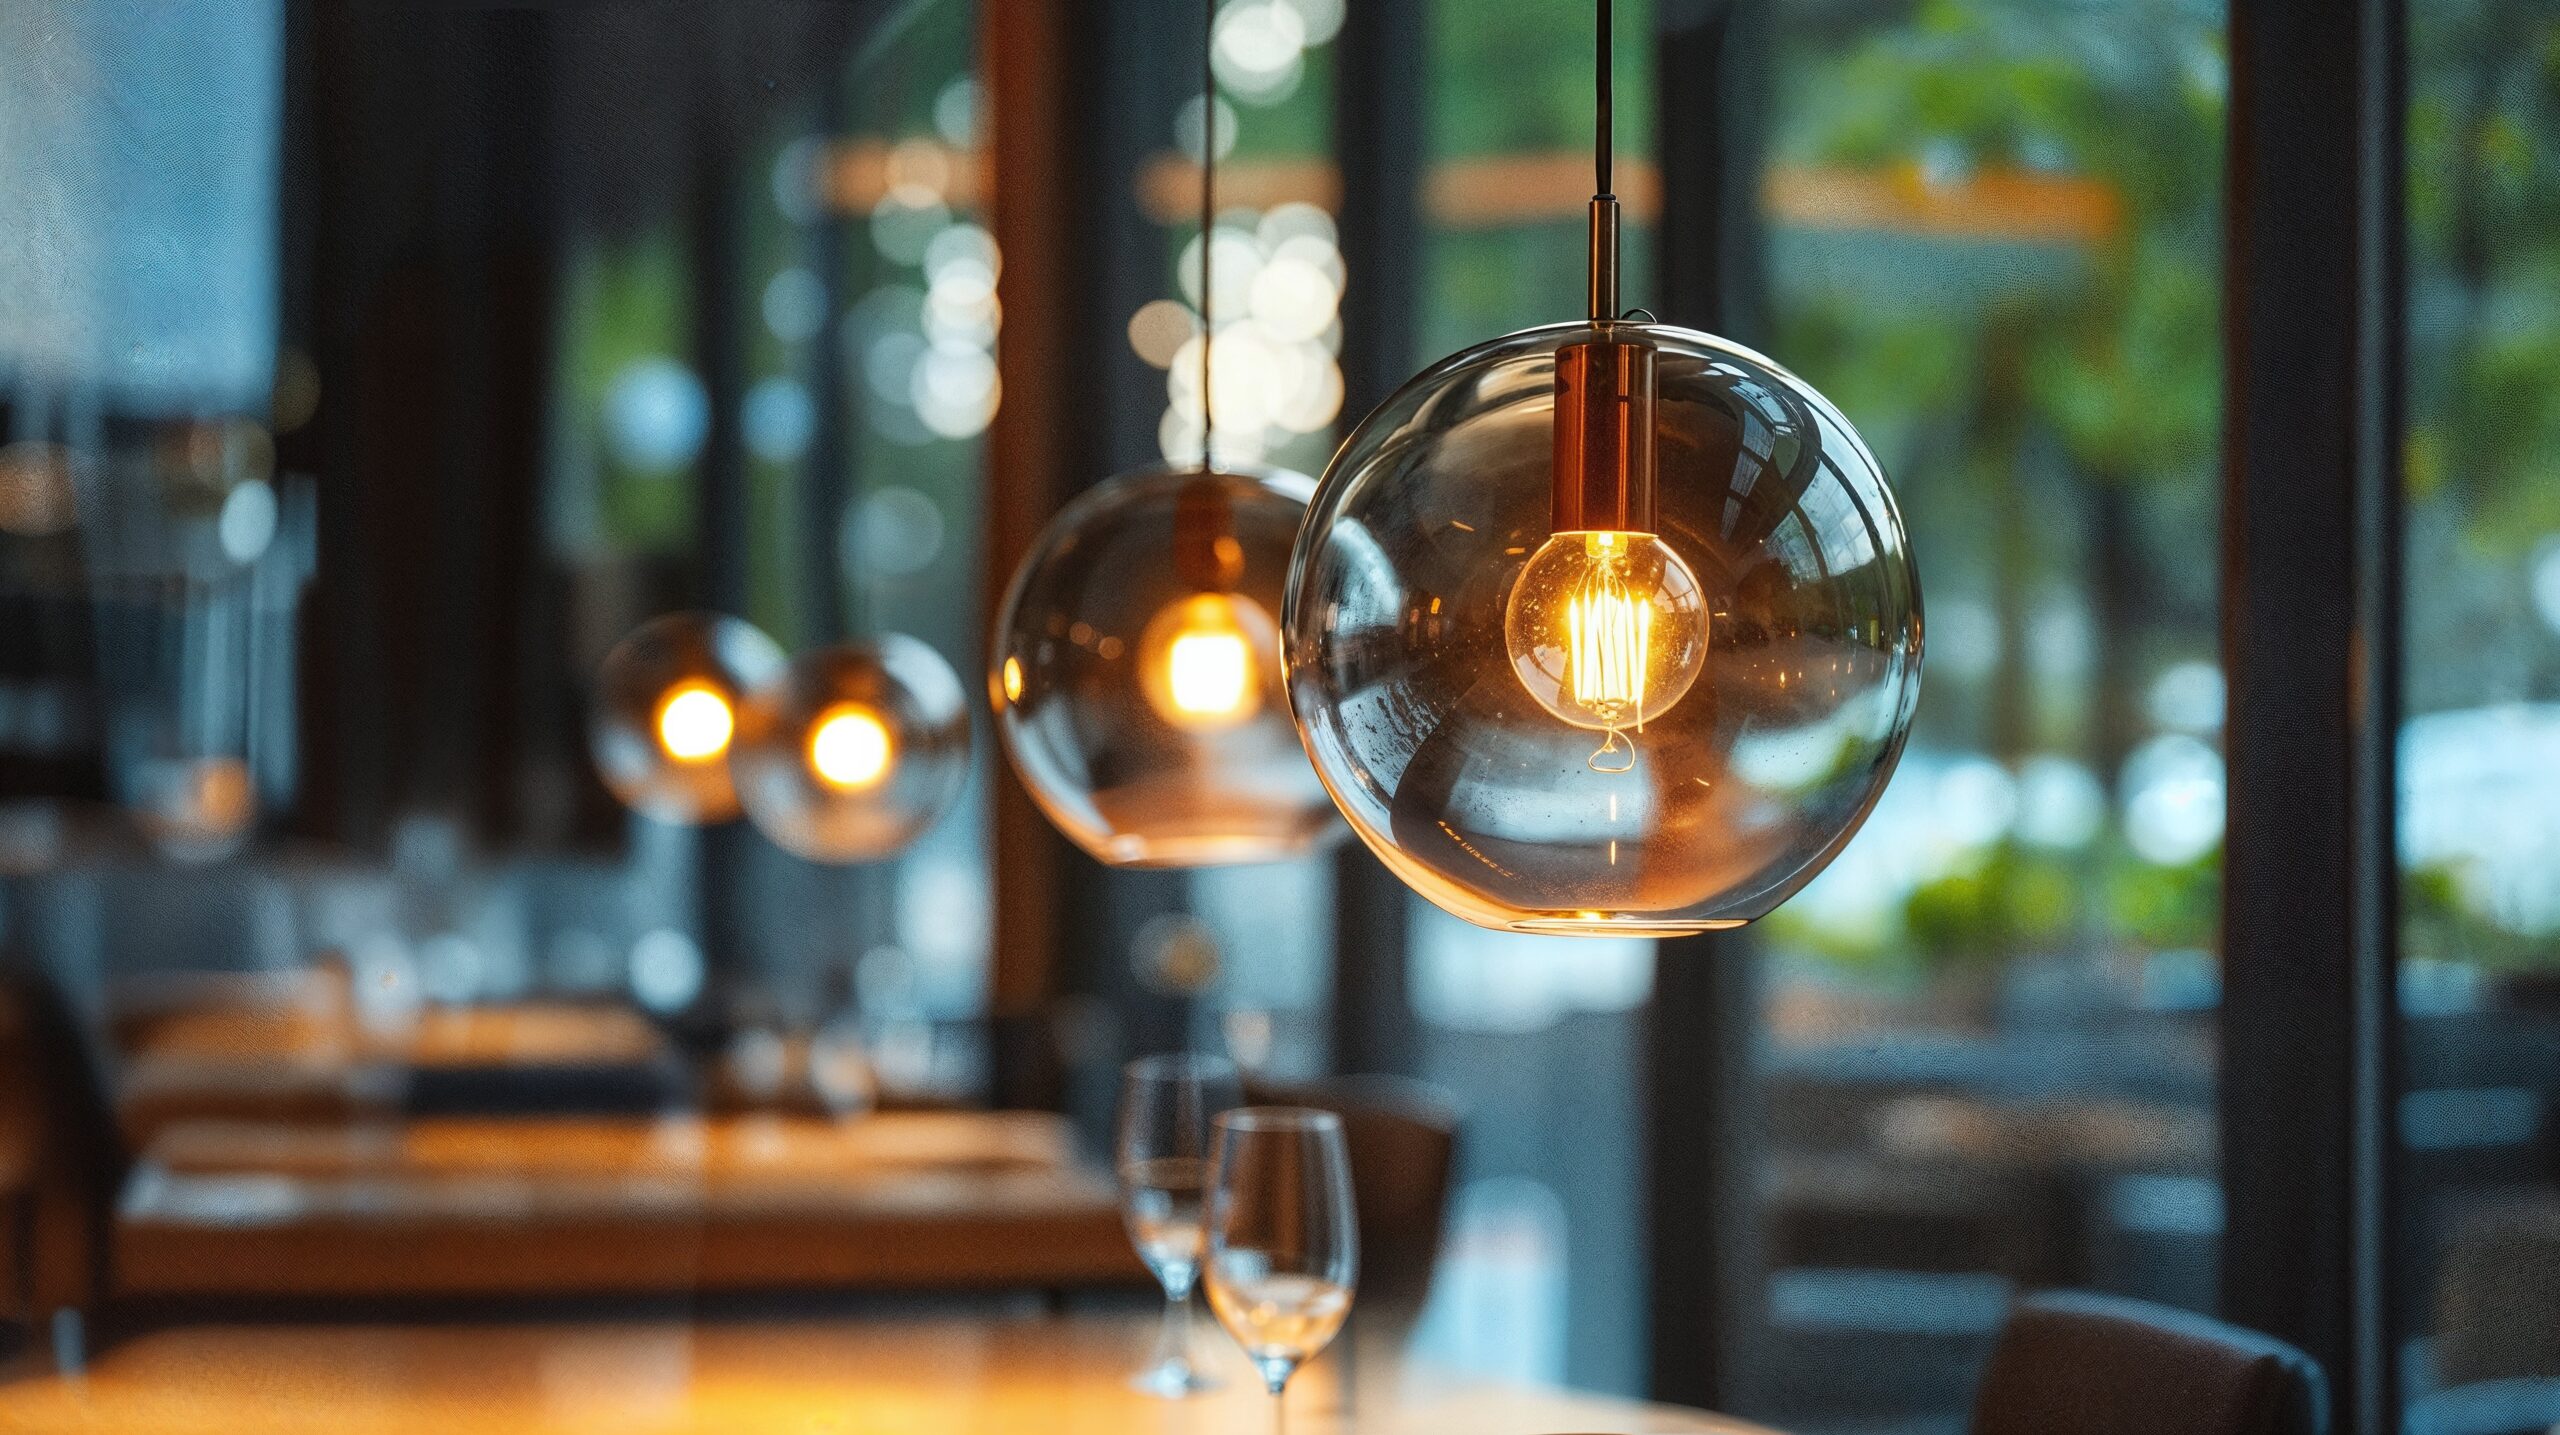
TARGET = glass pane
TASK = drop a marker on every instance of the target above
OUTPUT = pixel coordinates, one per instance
(1994, 241)
(2480, 751)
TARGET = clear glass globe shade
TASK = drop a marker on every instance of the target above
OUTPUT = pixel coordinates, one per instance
(853, 751)
(666, 713)
(1606, 629)
(1438, 705)
(1136, 676)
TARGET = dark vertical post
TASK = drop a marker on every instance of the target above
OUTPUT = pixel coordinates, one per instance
(1702, 1138)
(721, 530)
(2311, 646)
(827, 476)
(1381, 130)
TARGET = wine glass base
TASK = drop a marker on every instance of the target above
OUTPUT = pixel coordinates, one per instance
(1174, 1380)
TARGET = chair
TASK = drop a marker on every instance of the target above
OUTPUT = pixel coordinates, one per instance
(1402, 1137)
(2077, 1364)
(65, 1137)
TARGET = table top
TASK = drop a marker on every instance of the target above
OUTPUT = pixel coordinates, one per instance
(677, 1146)
(507, 1035)
(938, 1376)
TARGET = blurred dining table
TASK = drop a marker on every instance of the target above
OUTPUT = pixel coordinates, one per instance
(930, 1375)
(530, 1208)
(519, 1033)
(306, 1064)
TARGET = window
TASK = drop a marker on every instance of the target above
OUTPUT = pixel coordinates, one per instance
(2479, 1246)
(1993, 239)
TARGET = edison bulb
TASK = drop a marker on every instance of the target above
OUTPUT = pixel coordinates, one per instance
(1606, 630)
(695, 723)
(850, 748)
(1205, 659)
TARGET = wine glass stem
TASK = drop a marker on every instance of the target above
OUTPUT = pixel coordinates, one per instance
(1280, 1411)
(1173, 1337)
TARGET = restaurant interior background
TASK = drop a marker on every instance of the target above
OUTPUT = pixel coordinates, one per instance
(366, 372)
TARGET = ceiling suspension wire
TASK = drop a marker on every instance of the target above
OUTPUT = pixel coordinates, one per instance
(1208, 211)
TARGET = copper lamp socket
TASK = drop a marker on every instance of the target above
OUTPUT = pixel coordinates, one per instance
(1605, 459)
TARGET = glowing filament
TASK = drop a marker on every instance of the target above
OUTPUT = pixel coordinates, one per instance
(850, 748)
(1608, 638)
(695, 723)
(1210, 675)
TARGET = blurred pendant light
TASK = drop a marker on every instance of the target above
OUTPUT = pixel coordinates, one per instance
(860, 745)
(1135, 669)
(1604, 628)
(666, 713)
(854, 750)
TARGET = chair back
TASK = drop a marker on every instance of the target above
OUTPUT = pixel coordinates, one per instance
(1402, 1137)
(65, 1133)
(2076, 1364)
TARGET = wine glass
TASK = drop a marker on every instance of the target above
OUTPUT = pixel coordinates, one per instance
(1166, 1105)
(1284, 1242)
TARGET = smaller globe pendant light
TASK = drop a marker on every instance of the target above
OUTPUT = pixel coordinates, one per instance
(851, 752)
(1135, 669)
(1607, 628)
(666, 713)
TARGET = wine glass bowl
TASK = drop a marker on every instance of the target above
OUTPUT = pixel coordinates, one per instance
(1283, 1236)
(1162, 1150)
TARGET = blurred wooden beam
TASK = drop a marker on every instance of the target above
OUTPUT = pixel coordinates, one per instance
(1031, 168)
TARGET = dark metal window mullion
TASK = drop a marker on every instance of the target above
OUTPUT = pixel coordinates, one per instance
(1704, 1128)
(2311, 646)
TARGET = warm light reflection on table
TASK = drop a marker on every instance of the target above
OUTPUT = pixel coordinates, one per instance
(944, 1376)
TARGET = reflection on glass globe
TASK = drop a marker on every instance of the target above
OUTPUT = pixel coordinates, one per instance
(854, 750)
(1750, 662)
(666, 712)
(1136, 672)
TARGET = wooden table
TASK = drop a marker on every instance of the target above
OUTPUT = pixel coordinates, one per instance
(677, 1147)
(293, 1064)
(616, 1205)
(527, 1033)
(945, 1376)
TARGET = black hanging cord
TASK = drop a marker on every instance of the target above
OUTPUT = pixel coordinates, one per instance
(1208, 202)
(1600, 144)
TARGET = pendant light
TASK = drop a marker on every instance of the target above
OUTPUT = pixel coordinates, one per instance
(666, 713)
(1135, 669)
(851, 752)
(1604, 628)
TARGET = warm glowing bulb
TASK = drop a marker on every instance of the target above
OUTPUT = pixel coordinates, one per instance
(1607, 629)
(1204, 659)
(695, 722)
(850, 748)
(1210, 674)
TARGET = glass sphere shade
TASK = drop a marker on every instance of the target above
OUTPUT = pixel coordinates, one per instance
(1136, 678)
(666, 713)
(854, 750)
(1644, 733)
